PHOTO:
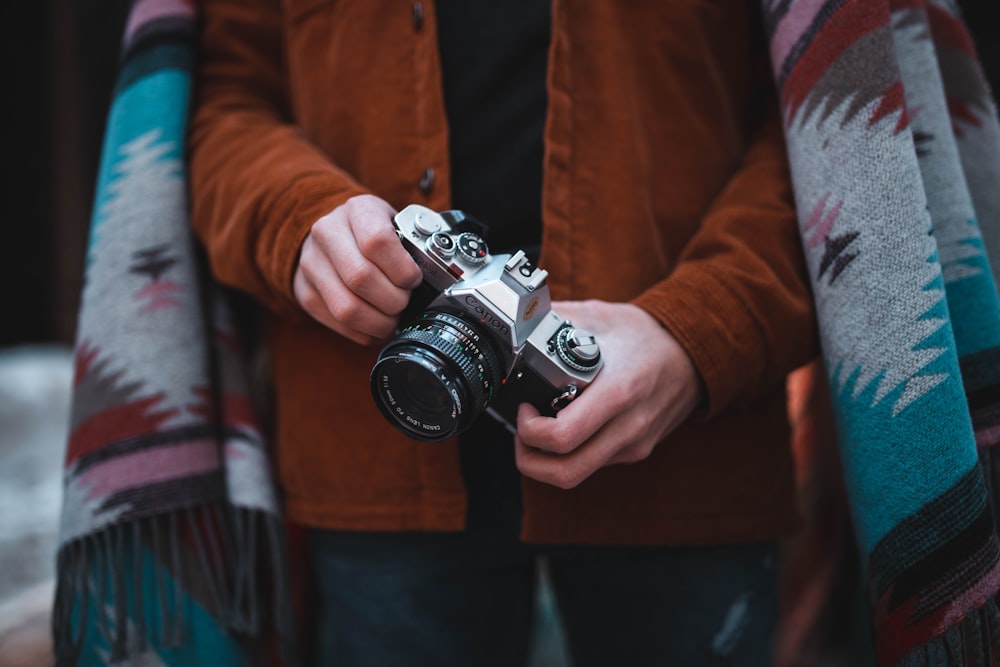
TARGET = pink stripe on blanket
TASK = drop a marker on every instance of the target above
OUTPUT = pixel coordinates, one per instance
(798, 19)
(817, 213)
(160, 295)
(822, 231)
(972, 598)
(150, 466)
(145, 11)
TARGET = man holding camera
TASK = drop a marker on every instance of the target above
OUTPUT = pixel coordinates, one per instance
(636, 154)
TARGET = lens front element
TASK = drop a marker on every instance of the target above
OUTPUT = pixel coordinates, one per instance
(435, 378)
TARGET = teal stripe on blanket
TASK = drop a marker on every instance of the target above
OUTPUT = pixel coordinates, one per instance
(137, 111)
(894, 464)
(974, 306)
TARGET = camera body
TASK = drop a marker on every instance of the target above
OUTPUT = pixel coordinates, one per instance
(478, 336)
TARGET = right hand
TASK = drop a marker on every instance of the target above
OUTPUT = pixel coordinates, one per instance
(353, 274)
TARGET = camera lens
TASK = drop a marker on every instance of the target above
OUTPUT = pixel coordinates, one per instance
(424, 390)
(436, 377)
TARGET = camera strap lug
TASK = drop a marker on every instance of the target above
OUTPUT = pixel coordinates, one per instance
(562, 400)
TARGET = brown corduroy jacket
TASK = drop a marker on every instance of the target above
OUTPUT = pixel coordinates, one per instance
(665, 184)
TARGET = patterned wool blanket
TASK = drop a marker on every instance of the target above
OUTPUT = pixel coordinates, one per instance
(895, 155)
(171, 539)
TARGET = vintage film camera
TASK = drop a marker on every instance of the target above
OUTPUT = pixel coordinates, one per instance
(478, 336)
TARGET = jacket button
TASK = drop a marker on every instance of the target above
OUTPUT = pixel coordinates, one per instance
(426, 183)
(418, 15)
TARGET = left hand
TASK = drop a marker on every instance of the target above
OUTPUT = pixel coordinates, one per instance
(647, 388)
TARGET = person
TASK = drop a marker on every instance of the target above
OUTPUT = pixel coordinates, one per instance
(636, 151)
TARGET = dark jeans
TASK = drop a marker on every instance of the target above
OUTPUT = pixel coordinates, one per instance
(467, 599)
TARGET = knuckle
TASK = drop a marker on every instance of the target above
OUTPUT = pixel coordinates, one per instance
(358, 276)
(311, 302)
(641, 422)
(562, 446)
(345, 310)
(561, 441)
(357, 203)
(310, 253)
(363, 201)
(566, 478)
(413, 272)
(376, 242)
(323, 229)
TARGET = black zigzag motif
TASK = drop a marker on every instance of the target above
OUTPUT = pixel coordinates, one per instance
(922, 143)
(152, 262)
(835, 256)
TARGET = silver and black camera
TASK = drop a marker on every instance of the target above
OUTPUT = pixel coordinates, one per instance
(478, 336)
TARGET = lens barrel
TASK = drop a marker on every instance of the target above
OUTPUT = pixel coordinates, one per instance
(436, 377)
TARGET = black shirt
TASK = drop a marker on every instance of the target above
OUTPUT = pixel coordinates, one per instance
(494, 58)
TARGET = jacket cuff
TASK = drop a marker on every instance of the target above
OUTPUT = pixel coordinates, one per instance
(301, 205)
(715, 328)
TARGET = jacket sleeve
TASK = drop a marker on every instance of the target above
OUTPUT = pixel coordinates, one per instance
(256, 183)
(739, 301)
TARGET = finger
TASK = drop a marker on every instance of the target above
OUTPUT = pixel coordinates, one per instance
(315, 307)
(573, 425)
(354, 271)
(624, 439)
(581, 314)
(377, 241)
(327, 299)
(564, 472)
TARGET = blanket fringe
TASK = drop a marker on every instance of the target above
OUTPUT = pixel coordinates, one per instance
(126, 586)
(972, 642)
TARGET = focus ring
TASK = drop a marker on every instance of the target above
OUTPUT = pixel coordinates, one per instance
(456, 355)
(470, 336)
(452, 352)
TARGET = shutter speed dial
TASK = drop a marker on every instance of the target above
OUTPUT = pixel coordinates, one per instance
(472, 248)
(578, 349)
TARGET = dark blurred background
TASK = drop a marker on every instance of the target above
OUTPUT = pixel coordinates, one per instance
(59, 59)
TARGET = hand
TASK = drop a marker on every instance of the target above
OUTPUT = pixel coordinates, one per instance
(648, 386)
(353, 274)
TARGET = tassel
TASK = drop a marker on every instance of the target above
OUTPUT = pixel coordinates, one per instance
(992, 623)
(956, 653)
(110, 582)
